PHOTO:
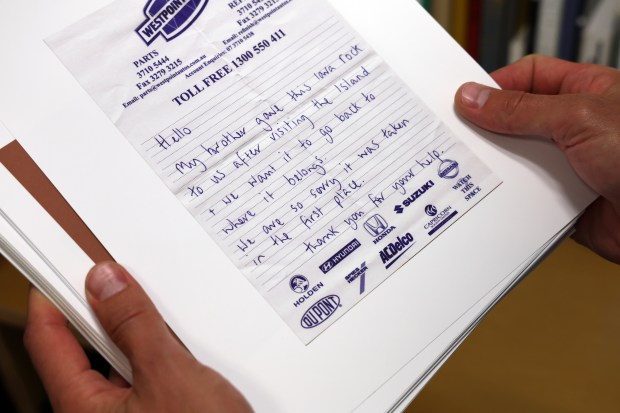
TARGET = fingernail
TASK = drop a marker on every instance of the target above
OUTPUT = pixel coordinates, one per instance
(475, 95)
(106, 280)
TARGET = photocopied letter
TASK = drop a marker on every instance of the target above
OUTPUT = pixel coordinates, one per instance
(312, 165)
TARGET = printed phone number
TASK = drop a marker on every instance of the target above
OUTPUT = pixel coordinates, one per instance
(255, 8)
(159, 68)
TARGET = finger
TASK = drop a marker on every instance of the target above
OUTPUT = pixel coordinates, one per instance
(599, 229)
(520, 113)
(56, 354)
(115, 378)
(552, 76)
(132, 321)
(536, 74)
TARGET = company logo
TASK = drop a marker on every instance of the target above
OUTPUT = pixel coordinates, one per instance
(440, 218)
(359, 272)
(375, 225)
(169, 18)
(327, 266)
(299, 284)
(430, 210)
(307, 293)
(338, 257)
(378, 227)
(448, 169)
(393, 251)
(320, 311)
(413, 197)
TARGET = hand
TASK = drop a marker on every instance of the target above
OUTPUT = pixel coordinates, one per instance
(575, 105)
(166, 378)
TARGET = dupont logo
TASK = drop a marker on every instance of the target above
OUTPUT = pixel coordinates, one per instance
(169, 18)
(399, 209)
(320, 311)
(338, 257)
(378, 227)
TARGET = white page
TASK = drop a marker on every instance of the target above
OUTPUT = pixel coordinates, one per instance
(53, 262)
(293, 145)
(208, 303)
(464, 326)
(5, 135)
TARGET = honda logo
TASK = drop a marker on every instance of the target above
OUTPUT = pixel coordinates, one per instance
(376, 225)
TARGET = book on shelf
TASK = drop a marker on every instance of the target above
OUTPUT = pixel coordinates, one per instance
(288, 180)
(598, 29)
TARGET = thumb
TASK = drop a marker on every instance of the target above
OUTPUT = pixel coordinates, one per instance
(131, 319)
(519, 113)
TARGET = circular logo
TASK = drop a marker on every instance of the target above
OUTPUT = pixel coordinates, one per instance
(448, 169)
(430, 210)
(299, 284)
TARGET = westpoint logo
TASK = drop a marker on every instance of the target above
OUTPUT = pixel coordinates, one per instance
(169, 18)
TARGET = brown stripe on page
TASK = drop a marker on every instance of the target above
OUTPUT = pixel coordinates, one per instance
(15, 158)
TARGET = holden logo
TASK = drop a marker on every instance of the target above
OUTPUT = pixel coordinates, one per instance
(299, 284)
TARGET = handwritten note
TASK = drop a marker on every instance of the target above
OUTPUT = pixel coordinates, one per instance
(291, 142)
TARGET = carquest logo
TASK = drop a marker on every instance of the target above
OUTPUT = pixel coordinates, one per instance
(170, 18)
(413, 197)
(320, 311)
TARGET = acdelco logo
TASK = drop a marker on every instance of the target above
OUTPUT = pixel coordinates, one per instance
(395, 250)
(320, 311)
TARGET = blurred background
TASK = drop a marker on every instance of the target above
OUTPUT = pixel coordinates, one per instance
(498, 32)
(553, 344)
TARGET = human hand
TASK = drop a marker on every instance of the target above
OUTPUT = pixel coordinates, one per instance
(575, 105)
(166, 378)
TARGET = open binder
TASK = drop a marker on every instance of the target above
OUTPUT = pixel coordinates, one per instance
(73, 192)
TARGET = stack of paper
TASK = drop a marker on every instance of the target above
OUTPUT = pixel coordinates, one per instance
(287, 180)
